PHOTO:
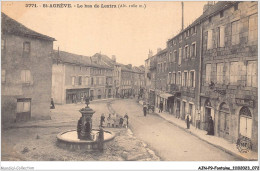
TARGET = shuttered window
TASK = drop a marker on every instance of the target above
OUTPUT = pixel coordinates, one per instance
(234, 73)
(220, 73)
(251, 76)
(208, 73)
(235, 32)
(180, 56)
(26, 76)
(209, 43)
(253, 35)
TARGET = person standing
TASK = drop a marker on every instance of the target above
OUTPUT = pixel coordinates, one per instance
(198, 120)
(145, 109)
(102, 119)
(161, 107)
(52, 104)
(188, 119)
(210, 126)
(126, 117)
(109, 120)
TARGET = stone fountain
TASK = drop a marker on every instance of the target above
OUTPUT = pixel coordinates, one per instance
(84, 138)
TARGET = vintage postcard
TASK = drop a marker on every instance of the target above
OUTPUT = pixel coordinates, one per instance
(146, 81)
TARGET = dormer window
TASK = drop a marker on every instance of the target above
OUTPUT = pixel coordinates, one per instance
(210, 19)
(221, 14)
(26, 49)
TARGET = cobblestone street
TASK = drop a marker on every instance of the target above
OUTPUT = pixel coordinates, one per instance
(36, 140)
(168, 141)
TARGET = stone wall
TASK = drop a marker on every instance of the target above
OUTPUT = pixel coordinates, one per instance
(39, 62)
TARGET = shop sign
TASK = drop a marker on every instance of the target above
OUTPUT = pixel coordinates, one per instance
(245, 102)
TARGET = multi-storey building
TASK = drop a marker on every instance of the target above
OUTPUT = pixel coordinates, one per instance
(229, 70)
(126, 81)
(26, 60)
(101, 79)
(138, 83)
(212, 71)
(184, 62)
(161, 79)
(150, 78)
(76, 77)
(116, 75)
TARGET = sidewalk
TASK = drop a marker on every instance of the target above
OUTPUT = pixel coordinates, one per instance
(218, 142)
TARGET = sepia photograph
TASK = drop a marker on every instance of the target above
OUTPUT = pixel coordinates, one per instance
(131, 81)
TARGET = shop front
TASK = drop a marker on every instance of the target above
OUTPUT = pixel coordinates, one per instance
(76, 95)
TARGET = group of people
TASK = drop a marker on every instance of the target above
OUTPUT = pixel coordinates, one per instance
(114, 120)
(210, 124)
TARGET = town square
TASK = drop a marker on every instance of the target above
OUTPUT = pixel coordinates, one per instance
(125, 81)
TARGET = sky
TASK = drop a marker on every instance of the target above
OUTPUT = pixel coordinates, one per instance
(128, 33)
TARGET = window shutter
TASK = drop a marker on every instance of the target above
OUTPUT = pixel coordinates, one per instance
(222, 36)
(28, 75)
(23, 75)
(227, 81)
(209, 43)
(19, 108)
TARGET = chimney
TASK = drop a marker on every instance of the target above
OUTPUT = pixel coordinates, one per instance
(150, 53)
(99, 59)
(114, 58)
(182, 16)
(208, 5)
(129, 66)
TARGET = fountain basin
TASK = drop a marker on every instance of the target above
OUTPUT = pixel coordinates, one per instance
(69, 140)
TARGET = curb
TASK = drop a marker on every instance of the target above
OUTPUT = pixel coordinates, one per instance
(217, 146)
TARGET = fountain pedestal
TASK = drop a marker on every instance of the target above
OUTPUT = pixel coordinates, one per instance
(84, 126)
(84, 137)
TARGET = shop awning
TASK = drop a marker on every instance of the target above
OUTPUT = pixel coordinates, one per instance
(166, 95)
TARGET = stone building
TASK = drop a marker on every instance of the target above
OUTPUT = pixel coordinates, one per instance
(161, 79)
(116, 75)
(126, 81)
(138, 84)
(77, 76)
(211, 70)
(26, 61)
(184, 63)
(150, 78)
(229, 71)
(102, 76)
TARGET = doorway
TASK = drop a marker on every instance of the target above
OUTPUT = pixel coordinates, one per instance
(224, 121)
(23, 109)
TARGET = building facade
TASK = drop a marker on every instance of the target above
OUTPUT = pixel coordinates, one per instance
(184, 63)
(229, 71)
(76, 77)
(26, 60)
(211, 70)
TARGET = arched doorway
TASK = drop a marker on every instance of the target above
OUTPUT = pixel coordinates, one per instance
(245, 124)
(224, 121)
(208, 113)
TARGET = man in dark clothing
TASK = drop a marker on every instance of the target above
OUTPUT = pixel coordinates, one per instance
(188, 119)
(52, 104)
(160, 107)
(210, 126)
(145, 109)
(102, 119)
